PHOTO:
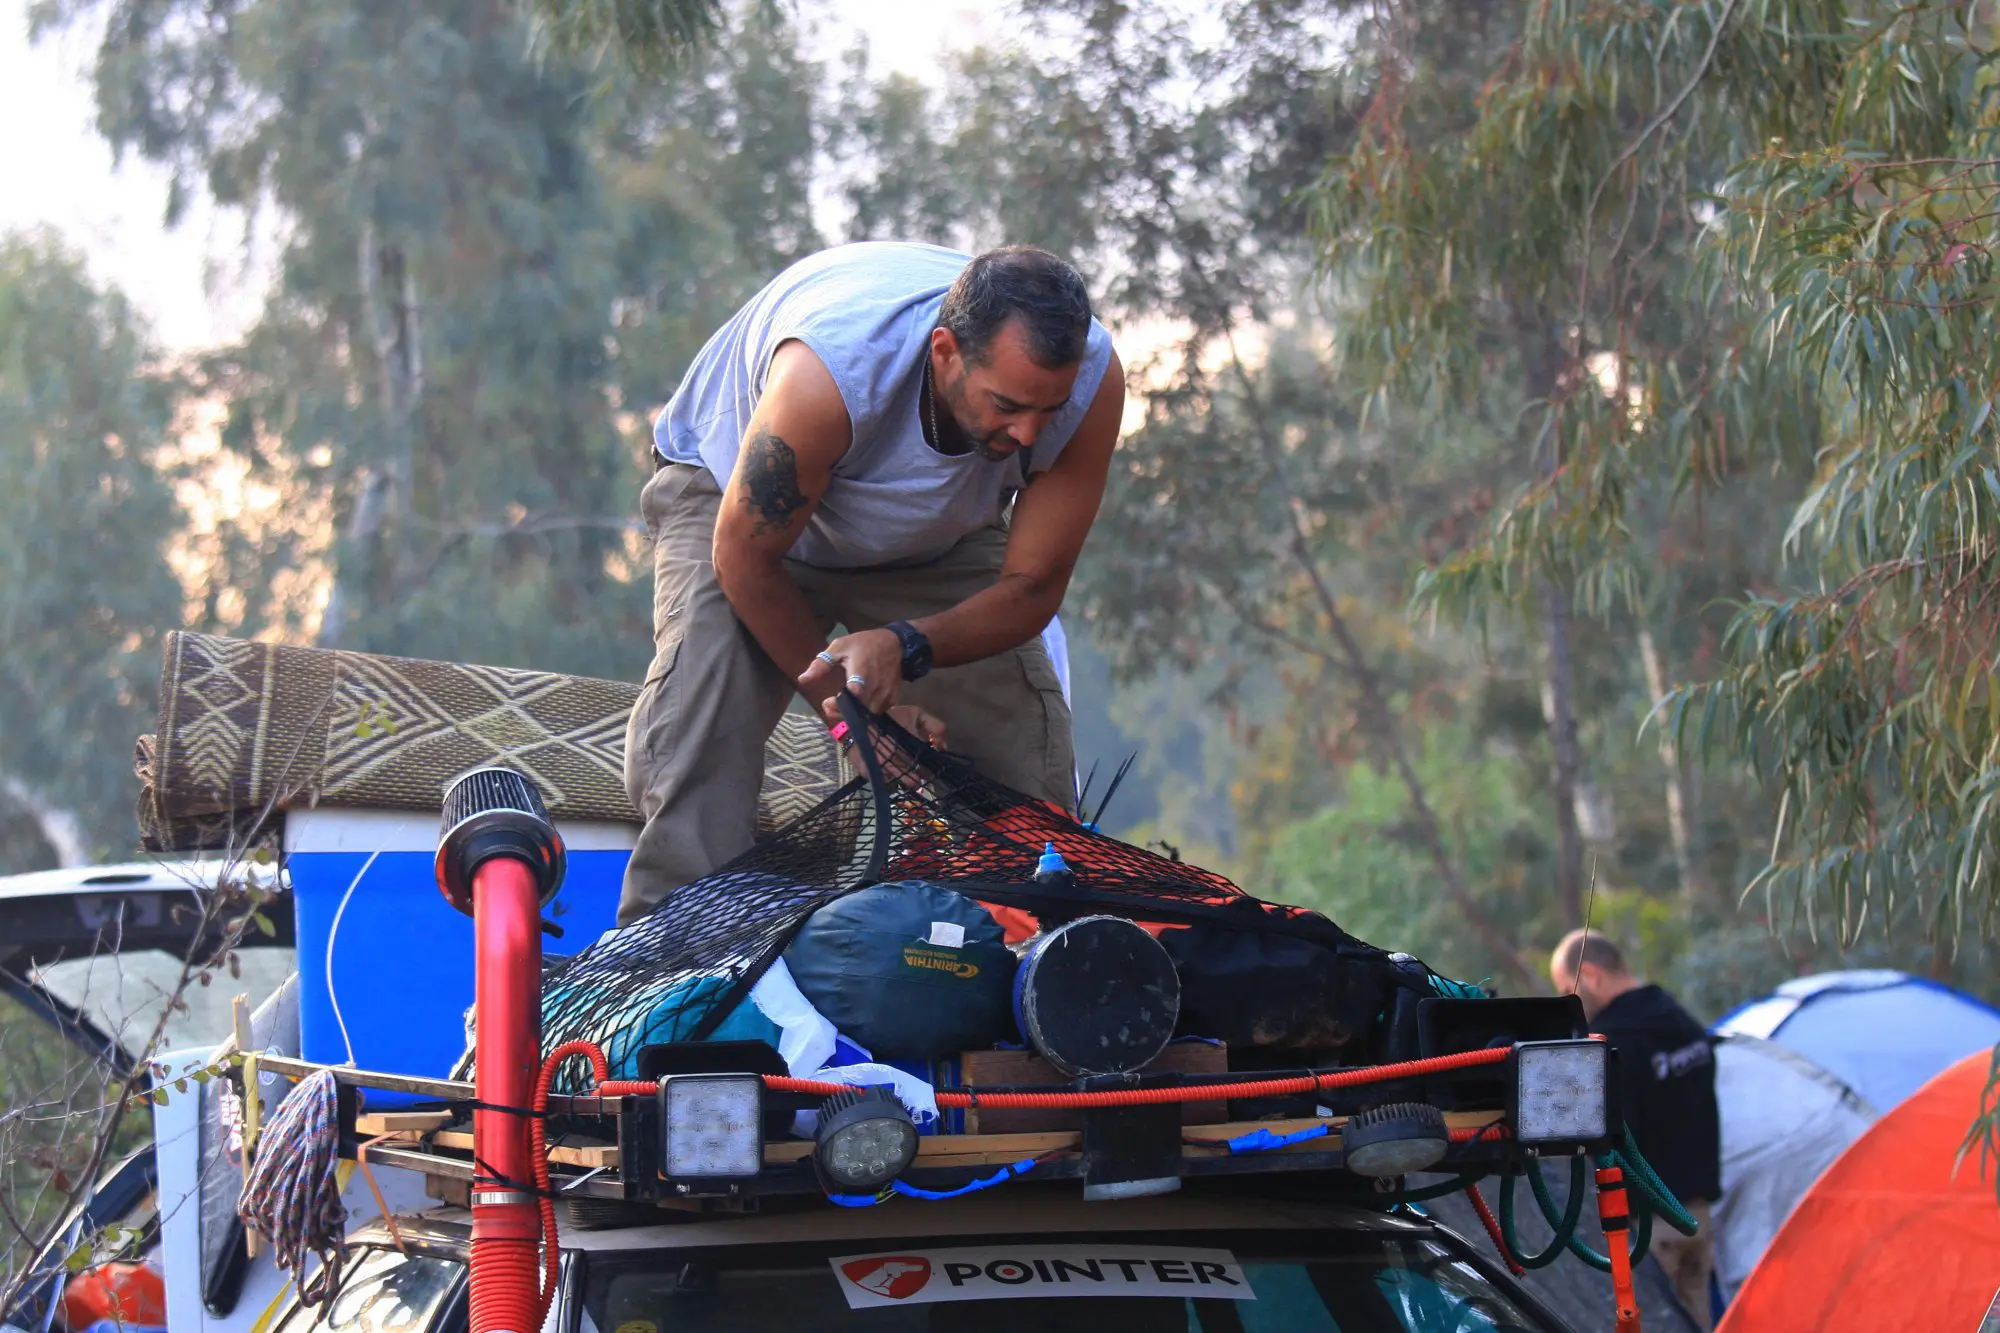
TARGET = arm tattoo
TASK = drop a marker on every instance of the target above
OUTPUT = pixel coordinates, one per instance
(771, 483)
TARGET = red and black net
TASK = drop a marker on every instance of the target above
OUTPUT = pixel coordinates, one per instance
(917, 814)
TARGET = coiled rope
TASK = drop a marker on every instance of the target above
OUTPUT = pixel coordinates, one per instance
(291, 1190)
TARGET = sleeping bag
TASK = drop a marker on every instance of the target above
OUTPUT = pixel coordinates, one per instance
(909, 969)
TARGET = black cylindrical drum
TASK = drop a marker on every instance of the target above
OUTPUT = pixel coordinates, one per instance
(1097, 996)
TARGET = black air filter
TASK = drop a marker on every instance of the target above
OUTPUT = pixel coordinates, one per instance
(493, 812)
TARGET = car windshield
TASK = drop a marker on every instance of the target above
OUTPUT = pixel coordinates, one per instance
(382, 1292)
(1210, 1283)
(126, 994)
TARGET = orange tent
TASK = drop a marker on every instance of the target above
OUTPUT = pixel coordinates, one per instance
(1890, 1238)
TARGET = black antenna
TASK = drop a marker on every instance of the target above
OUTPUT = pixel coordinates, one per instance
(1110, 791)
(1576, 977)
(1083, 794)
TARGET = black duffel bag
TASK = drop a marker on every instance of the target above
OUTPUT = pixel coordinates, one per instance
(1262, 990)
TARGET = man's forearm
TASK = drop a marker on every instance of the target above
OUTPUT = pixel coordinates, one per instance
(993, 620)
(771, 606)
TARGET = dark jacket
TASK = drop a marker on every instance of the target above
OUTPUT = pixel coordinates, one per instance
(1667, 1082)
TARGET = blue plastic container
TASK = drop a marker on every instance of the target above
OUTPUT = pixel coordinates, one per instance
(385, 963)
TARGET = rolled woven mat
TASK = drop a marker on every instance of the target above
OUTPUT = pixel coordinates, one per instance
(247, 730)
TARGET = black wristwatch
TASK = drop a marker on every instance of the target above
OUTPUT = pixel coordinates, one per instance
(916, 649)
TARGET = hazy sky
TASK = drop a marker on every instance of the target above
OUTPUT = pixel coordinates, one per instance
(56, 172)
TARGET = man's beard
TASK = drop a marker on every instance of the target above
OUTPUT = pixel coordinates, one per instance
(984, 446)
(988, 451)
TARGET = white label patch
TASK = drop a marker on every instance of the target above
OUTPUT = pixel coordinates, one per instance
(947, 935)
(920, 1277)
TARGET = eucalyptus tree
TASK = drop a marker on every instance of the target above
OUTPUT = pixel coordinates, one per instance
(1745, 234)
(88, 520)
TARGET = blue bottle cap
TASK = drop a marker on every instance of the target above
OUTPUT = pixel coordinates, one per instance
(1052, 862)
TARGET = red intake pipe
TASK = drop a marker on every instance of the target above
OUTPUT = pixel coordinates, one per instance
(500, 860)
(506, 1218)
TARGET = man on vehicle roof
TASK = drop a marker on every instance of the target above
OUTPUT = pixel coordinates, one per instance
(895, 439)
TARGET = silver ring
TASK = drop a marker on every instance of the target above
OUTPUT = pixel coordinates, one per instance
(858, 682)
(827, 658)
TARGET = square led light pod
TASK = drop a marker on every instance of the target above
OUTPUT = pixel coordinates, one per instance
(712, 1126)
(1561, 1092)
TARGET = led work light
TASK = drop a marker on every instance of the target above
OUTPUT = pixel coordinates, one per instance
(865, 1139)
(1560, 1092)
(1394, 1140)
(712, 1126)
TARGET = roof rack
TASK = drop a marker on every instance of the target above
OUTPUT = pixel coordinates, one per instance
(614, 1146)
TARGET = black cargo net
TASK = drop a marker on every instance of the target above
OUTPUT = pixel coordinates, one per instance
(917, 813)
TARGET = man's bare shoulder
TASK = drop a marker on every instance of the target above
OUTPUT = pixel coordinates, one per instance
(801, 398)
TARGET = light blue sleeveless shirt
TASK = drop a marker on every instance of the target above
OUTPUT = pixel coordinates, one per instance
(867, 311)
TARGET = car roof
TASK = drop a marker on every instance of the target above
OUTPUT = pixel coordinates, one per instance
(48, 915)
(93, 879)
(1026, 1211)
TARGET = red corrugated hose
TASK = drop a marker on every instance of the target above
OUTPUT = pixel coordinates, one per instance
(506, 1223)
(1270, 1087)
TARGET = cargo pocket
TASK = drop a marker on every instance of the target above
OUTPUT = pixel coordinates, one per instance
(650, 735)
(667, 641)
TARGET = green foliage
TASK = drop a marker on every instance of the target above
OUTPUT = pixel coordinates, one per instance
(652, 36)
(1362, 862)
(494, 268)
(87, 517)
(1865, 234)
(1554, 303)
(1696, 243)
(1519, 227)
(55, 1103)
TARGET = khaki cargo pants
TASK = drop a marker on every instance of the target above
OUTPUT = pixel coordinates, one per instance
(1688, 1261)
(694, 749)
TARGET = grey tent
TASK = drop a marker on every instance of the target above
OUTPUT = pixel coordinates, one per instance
(1784, 1120)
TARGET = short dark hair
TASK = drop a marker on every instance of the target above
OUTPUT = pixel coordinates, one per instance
(1581, 946)
(1047, 294)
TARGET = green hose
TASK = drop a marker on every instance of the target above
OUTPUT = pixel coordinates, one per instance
(1564, 1227)
(1562, 1233)
(1640, 1171)
(1646, 1193)
(1641, 1224)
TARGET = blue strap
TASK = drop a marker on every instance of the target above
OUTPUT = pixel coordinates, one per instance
(1263, 1140)
(1000, 1177)
(908, 1191)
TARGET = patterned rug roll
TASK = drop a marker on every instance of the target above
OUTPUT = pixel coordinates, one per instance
(247, 730)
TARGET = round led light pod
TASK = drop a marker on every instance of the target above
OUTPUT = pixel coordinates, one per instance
(1395, 1140)
(865, 1140)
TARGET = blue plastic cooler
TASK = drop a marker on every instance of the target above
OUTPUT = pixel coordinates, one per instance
(385, 963)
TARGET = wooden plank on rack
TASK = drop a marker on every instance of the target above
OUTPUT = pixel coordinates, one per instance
(441, 1088)
(1214, 1137)
(947, 1150)
(1020, 1145)
(371, 1123)
(566, 1152)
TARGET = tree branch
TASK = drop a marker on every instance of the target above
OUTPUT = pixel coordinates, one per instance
(1375, 703)
(1646, 132)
